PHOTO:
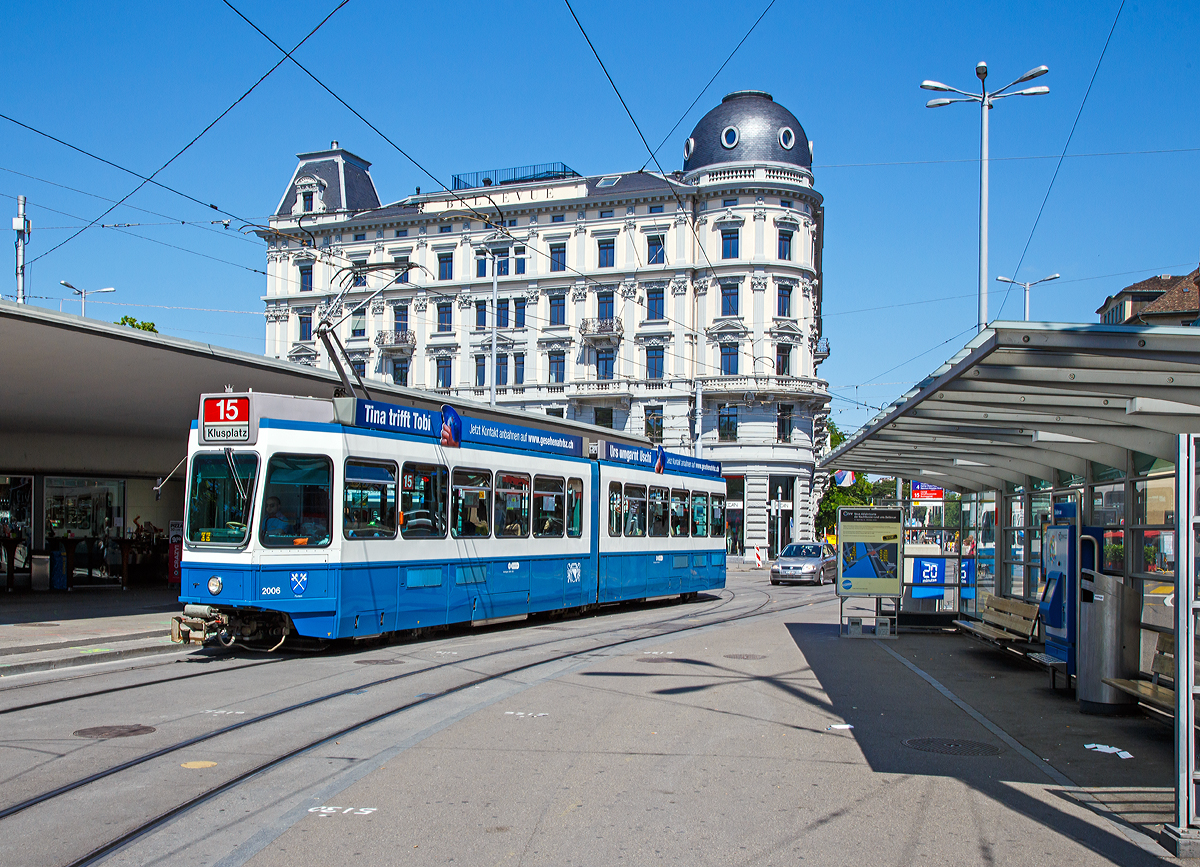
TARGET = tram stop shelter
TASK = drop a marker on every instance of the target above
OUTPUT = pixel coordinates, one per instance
(1028, 415)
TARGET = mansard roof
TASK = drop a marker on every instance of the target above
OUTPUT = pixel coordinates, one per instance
(344, 176)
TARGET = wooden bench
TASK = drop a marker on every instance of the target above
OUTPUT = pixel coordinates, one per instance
(1003, 622)
(1149, 691)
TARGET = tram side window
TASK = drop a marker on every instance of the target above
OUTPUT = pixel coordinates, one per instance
(369, 501)
(512, 505)
(423, 495)
(470, 503)
(297, 495)
(574, 507)
(548, 506)
(717, 528)
(699, 513)
(679, 513)
(615, 501)
(659, 505)
(635, 510)
(222, 490)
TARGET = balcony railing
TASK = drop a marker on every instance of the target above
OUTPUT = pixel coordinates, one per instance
(602, 330)
(761, 382)
(822, 350)
(396, 340)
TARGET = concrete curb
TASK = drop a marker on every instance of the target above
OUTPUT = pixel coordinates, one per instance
(91, 658)
(80, 642)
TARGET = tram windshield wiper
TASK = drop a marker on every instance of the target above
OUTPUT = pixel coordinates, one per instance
(236, 480)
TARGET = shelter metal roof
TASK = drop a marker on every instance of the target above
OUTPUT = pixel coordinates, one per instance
(1031, 398)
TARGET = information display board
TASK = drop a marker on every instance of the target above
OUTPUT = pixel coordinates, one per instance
(869, 551)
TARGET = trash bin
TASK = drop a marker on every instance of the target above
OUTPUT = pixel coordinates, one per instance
(58, 570)
(39, 574)
(1108, 643)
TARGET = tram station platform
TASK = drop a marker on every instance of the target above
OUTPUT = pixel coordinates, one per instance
(46, 631)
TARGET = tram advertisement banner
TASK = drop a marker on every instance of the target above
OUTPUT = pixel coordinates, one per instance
(657, 459)
(869, 551)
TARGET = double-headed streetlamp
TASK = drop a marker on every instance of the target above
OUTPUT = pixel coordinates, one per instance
(1026, 287)
(83, 294)
(985, 100)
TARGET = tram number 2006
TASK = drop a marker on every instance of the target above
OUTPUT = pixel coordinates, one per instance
(271, 591)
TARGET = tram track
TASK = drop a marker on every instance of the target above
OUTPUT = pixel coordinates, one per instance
(148, 826)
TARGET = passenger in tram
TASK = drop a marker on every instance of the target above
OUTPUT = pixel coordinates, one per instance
(275, 522)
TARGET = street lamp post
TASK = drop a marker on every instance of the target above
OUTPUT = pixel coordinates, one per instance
(1026, 287)
(83, 294)
(985, 101)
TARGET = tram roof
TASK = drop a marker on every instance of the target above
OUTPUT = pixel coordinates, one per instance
(1033, 399)
(85, 396)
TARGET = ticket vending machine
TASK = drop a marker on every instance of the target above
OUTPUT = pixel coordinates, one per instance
(1060, 600)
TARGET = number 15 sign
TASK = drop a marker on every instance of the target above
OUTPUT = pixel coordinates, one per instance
(225, 420)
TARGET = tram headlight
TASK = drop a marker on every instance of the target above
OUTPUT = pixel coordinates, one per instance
(214, 585)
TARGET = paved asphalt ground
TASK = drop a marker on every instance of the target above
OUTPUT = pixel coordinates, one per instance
(706, 733)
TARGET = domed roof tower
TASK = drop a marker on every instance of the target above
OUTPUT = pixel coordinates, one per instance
(747, 127)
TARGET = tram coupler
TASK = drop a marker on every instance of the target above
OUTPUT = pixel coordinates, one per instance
(196, 624)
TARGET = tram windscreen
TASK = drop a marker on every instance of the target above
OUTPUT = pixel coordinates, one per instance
(297, 494)
(222, 488)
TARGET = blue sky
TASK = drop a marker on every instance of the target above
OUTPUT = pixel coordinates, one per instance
(470, 86)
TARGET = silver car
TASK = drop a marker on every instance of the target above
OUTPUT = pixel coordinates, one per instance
(805, 561)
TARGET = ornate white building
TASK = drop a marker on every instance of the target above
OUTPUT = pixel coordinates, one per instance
(623, 298)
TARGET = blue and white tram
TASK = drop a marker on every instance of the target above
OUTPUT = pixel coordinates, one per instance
(349, 518)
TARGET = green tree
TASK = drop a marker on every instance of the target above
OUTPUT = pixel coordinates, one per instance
(132, 322)
(857, 494)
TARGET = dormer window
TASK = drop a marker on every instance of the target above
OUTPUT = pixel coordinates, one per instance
(308, 203)
(610, 181)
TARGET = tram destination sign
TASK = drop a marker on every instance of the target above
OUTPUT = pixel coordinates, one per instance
(869, 551)
(226, 420)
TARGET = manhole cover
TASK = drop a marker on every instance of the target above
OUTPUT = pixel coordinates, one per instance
(37, 624)
(379, 662)
(114, 732)
(952, 747)
(744, 656)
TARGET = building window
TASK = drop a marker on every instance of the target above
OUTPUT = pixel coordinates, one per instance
(558, 366)
(655, 252)
(519, 255)
(502, 262)
(557, 218)
(604, 215)
(442, 230)
(400, 371)
(785, 246)
(728, 203)
(480, 266)
(729, 299)
(558, 257)
(654, 303)
(306, 326)
(359, 274)
(783, 361)
(554, 411)
(480, 371)
(785, 301)
(729, 243)
(306, 278)
(654, 362)
(445, 317)
(308, 202)
(445, 266)
(785, 203)
(502, 313)
(400, 314)
(729, 359)
(558, 309)
(358, 325)
(603, 417)
(402, 233)
(360, 236)
(519, 369)
(783, 423)
(480, 315)
(359, 366)
(727, 423)
(401, 269)
(501, 370)
(519, 321)
(604, 364)
(606, 256)
(656, 209)
(604, 305)
(443, 372)
(654, 424)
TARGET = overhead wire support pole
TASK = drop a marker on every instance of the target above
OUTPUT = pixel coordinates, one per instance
(21, 227)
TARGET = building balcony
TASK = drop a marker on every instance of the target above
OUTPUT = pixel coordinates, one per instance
(760, 383)
(398, 342)
(822, 350)
(602, 332)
